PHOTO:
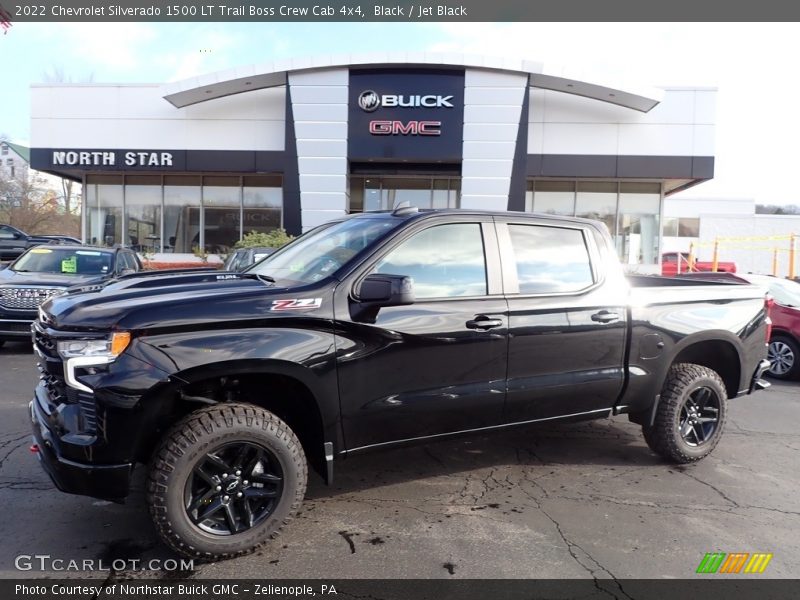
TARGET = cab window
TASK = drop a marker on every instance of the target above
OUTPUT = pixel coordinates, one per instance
(445, 261)
(550, 259)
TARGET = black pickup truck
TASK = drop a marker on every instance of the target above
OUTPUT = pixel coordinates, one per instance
(376, 329)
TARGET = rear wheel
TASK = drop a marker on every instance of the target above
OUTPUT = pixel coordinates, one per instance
(690, 416)
(225, 480)
(784, 358)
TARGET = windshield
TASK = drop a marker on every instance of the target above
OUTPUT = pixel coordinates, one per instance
(785, 292)
(322, 251)
(67, 261)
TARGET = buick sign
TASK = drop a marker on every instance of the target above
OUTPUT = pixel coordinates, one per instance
(405, 114)
(369, 100)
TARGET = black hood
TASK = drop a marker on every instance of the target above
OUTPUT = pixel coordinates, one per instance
(157, 300)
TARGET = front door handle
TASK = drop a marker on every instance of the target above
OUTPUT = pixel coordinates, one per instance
(605, 316)
(482, 323)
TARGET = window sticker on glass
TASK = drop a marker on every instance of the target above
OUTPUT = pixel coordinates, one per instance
(69, 265)
(40, 251)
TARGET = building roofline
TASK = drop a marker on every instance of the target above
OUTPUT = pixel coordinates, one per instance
(275, 73)
(22, 151)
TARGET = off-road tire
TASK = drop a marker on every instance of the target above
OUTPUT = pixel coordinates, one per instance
(188, 442)
(789, 346)
(664, 436)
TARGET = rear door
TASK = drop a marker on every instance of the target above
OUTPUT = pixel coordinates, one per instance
(437, 366)
(567, 323)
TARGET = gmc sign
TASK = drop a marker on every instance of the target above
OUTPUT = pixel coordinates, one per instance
(408, 128)
(405, 114)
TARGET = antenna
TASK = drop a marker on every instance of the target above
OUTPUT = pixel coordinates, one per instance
(404, 208)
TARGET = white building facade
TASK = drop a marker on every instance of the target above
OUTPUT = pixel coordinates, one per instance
(757, 243)
(200, 162)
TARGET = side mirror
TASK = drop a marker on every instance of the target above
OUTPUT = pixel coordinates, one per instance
(381, 290)
(123, 272)
(16, 235)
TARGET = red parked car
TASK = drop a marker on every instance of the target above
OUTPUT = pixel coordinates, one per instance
(784, 342)
(670, 267)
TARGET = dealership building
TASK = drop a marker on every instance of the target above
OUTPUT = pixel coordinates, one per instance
(293, 144)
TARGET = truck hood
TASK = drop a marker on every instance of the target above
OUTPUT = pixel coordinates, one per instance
(155, 301)
(9, 277)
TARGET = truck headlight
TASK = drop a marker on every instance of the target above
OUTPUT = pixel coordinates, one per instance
(108, 348)
(90, 353)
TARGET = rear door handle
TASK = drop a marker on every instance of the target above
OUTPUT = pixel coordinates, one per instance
(605, 316)
(482, 322)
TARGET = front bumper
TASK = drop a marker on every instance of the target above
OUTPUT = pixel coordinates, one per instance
(16, 328)
(108, 482)
(758, 383)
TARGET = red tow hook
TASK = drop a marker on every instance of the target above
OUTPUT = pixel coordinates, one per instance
(34, 448)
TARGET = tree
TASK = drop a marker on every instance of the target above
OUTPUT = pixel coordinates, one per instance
(274, 239)
(27, 204)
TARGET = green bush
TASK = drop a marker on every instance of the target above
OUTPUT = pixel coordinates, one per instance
(274, 239)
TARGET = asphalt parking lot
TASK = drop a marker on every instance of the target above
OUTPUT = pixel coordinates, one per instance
(555, 501)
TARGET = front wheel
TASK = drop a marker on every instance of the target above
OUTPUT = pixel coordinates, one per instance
(784, 358)
(225, 480)
(690, 416)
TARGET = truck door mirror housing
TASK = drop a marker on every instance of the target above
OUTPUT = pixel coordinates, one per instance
(380, 290)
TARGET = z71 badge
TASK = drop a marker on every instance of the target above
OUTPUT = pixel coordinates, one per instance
(297, 304)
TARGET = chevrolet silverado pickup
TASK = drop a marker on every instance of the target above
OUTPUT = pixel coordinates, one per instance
(368, 331)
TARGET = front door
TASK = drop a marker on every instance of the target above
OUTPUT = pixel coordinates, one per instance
(437, 366)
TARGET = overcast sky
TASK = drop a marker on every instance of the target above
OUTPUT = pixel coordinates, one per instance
(753, 65)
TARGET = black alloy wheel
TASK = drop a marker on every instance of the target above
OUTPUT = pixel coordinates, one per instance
(233, 488)
(699, 416)
(225, 480)
(690, 415)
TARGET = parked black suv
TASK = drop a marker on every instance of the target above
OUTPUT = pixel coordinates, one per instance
(47, 270)
(377, 329)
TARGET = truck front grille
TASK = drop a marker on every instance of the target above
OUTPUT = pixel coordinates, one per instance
(51, 375)
(25, 298)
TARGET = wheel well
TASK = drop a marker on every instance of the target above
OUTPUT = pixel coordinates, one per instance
(783, 333)
(718, 356)
(283, 396)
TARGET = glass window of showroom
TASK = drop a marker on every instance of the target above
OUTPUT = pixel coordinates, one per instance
(631, 210)
(180, 213)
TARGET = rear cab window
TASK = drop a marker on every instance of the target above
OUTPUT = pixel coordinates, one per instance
(549, 259)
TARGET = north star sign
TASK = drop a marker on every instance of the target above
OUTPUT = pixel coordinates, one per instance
(93, 158)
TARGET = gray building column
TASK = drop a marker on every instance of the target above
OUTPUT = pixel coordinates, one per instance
(492, 107)
(319, 107)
